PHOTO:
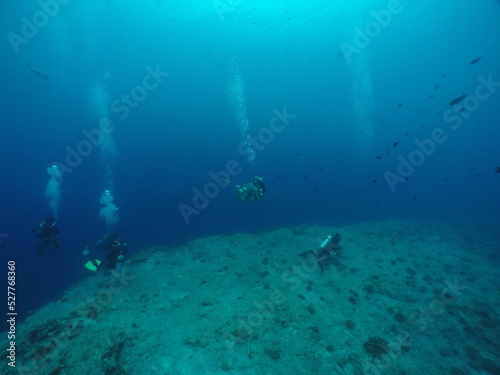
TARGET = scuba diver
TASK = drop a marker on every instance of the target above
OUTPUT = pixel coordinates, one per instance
(331, 245)
(48, 233)
(254, 190)
(115, 253)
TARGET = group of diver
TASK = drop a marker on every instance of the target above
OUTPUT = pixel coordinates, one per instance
(48, 235)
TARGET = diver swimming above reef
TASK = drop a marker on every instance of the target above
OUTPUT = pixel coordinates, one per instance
(254, 190)
(115, 257)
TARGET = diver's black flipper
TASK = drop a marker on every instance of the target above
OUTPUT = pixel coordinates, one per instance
(306, 253)
(41, 250)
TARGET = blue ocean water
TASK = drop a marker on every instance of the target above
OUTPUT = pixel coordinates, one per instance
(343, 107)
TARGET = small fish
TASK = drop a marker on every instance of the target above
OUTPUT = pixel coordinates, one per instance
(395, 144)
(436, 87)
(457, 100)
(400, 105)
(378, 157)
(497, 170)
(37, 71)
(374, 181)
(431, 96)
(476, 60)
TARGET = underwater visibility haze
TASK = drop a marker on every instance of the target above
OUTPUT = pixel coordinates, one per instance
(226, 143)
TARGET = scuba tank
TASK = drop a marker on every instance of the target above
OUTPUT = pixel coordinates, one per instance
(119, 264)
(326, 241)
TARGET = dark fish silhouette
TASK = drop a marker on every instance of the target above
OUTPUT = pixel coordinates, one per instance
(400, 105)
(395, 144)
(37, 72)
(457, 100)
(378, 157)
(436, 87)
(476, 60)
(497, 170)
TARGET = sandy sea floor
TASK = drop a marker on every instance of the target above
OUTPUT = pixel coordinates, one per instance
(399, 298)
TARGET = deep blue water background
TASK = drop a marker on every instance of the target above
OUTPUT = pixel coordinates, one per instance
(321, 169)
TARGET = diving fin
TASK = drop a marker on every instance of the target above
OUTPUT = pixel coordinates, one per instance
(93, 265)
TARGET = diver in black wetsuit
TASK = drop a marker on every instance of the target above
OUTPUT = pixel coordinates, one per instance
(48, 233)
(331, 245)
(115, 249)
